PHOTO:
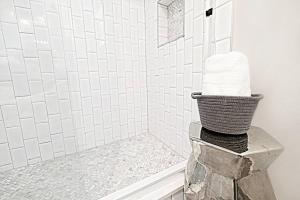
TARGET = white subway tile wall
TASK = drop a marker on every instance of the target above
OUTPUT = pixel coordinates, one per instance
(72, 76)
(175, 70)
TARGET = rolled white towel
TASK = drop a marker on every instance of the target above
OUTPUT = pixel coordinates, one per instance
(227, 75)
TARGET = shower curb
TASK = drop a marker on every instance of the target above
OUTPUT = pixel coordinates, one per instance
(155, 187)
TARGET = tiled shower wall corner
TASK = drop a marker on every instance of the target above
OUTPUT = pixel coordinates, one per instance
(72, 76)
(175, 70)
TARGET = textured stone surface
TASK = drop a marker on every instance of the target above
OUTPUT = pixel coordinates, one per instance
(175, 20)
(89, 175)
(216, 173)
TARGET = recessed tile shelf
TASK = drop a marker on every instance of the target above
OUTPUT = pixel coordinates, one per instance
(170, 20)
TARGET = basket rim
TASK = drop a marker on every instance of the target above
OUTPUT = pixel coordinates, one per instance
(198, 95)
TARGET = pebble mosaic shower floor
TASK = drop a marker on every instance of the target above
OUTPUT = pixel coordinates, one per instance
(91, 174)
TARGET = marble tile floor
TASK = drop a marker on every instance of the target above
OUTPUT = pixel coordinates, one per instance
(91, 174)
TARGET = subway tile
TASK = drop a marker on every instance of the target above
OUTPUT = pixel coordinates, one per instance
(42, 38)
(78, 27)
(68, 126)
(40, 112)
(78, 119)
(83, 68)
(198, 31)
(43, 132)
(85, 87)
(188, 51)
(10, 115)
(4, 69)
(59, 69)
(5, 154)
(57, 47)
(90, 140)
(109, 28)
(16, 60)
(22, 3)
(14, 137)
(51, 5)
(101, 50)
(68, 40)
(108, 7)
(197, 58)
(24, 20)
(76, 6)
(65, 108)
(28, 128)
(88, 123)
(98, 10)
(97, 115)
(96, 98)
(62, 89)
(188, 5)
(91, 42)
(36, 90)
(38, 13)
(33, 69)
(7, 88)
(223, 21)
(24, 107)
(19, 157)
(94, 80)
(46, 151)
(70, 61)
(99, 135)
(99, 29)
(108, 135)
(2, 44)
(198, 7)
(66, 18)
(88, 18)
(55, 124)
(179, 62)
(75, 100)
(88, 5)
(32, 148)
(107, 123)
(70, 145)
(7, 13)
(49, 83)
(3, 137)
(80, 48)
(57, 142)
(73, 79)
(29, 45)
(117, 14)
(188, 76)
(52, 104)
(106, 104)
(223, 46)
(188, 25)
(87, 106)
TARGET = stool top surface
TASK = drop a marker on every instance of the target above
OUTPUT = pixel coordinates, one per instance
(259, 141)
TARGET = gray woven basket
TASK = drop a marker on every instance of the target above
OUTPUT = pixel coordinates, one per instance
(226, 114)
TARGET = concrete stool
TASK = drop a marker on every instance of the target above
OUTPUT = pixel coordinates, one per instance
(216, 173)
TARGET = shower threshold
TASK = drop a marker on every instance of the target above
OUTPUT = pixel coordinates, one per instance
(92, 174)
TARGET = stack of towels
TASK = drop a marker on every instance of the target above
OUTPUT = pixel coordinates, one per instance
(227, 75)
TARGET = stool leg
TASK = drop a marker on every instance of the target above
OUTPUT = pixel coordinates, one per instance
(201, 183)
(255, 187)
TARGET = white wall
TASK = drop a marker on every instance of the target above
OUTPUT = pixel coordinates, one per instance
(72, 76)
(269, 33)
(174, 70)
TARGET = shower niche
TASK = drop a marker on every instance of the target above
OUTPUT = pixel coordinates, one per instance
(170, 21)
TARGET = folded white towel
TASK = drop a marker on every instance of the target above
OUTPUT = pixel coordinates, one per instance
(227, 75)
